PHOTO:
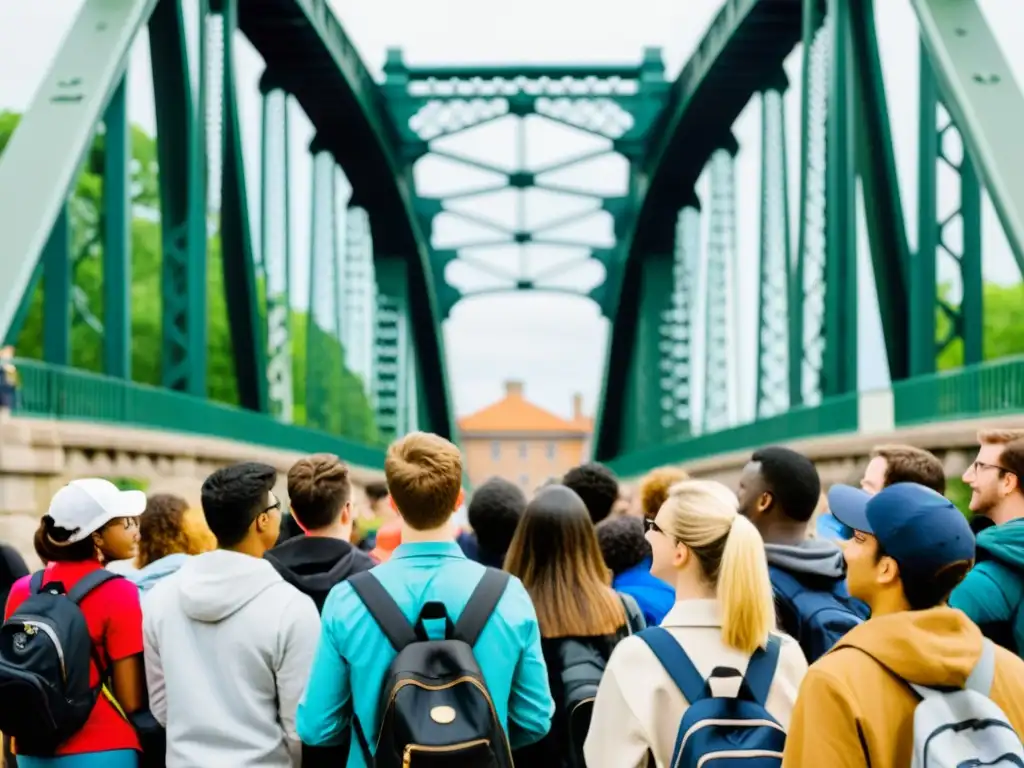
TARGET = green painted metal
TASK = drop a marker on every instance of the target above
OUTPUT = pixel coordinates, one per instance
(56, 392)
(806, 299)
(181, 152)
(56, 260)
(984, 99)
(24, 306)
(276, 249)
(773, 300)
(429, 103)
(940, 146)
(836, 416)
(117, 243)
(42, 158)
(389, 388)
(241, 292)
(994, 389)
(883, 211)
(839, 366)
(720, 295)
(322, 321)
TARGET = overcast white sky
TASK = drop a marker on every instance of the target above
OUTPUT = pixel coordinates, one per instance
(555, 343)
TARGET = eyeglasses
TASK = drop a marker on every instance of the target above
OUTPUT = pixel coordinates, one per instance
(979, 465)
(275, 505)
(651, 525)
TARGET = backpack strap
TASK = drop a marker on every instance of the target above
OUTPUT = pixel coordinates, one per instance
(635, 621)
(89, 582)
(481, 605)
(35, 584)
(761, 669)
(980, 679)
(383, 609)
(675, 661)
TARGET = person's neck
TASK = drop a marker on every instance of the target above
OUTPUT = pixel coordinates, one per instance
(248, 546)
(444, 533)
(1010, 509)
(333, 531)
(888, 602)
(688, 589)
(785, 532)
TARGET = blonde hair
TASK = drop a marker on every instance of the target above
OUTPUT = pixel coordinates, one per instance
(704, 516)
(424, 476)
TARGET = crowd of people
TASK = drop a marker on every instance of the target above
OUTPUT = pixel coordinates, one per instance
(680, 623)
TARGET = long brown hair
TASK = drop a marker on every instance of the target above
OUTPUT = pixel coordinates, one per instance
(556, 555)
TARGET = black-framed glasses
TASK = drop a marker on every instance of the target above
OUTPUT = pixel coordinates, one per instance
(651, 525)
(275, 505)
(978, 465)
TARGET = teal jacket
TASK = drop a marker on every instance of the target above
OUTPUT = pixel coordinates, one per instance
(353, 655)
(993, 592)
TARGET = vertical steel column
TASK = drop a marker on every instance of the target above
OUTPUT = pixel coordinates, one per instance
(719, 333)
(883, 209)
(181, 150)
(653, 366)
(21, 314)
(276, 249)
(773, 314)
(684, 277)
(839, 367)
(392, 345)
(941, 144)
(807, 284)
(239, 266)
(56, 260)
(117, 254)
(322, 319)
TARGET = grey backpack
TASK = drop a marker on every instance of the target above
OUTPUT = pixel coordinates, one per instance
(965, 728)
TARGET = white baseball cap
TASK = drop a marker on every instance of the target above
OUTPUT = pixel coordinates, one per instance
(84, 506)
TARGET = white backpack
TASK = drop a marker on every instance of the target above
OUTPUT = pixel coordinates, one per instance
(965, 728)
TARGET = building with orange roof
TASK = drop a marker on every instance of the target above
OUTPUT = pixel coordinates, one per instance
(522, 442)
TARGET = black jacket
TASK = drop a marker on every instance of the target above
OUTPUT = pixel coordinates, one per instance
(12, 568)
(313, 565)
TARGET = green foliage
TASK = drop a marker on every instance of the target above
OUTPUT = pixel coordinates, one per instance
(959, 493)
(1003, 332)
(343, 407)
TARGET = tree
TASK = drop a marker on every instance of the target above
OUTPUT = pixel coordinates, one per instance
(1003, 334)
(346, 407)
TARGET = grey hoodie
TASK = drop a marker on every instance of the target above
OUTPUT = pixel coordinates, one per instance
(228, 648)
(819, 560)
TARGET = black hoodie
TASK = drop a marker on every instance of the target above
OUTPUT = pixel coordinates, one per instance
(314, 564)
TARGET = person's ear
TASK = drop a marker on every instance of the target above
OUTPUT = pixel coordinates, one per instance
(887, 572)
(681, 555)
(346, 513)
(764, 501)
(262, 522)
(462, 498)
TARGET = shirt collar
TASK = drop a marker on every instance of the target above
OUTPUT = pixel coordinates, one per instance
(428, 549)
(694, 613)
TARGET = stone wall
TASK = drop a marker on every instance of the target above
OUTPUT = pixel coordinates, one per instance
(38, 456)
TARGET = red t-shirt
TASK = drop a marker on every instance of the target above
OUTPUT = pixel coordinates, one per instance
(114, 617)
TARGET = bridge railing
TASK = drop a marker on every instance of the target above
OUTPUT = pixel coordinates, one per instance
(989, 389)
(50, 391)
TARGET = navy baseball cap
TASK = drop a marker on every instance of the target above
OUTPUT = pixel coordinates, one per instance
(919, 528)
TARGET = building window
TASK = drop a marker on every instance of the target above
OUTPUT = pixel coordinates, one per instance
(524, 450)
(495, 450)
(551, 451)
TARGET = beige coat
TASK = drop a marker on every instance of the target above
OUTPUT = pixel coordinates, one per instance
(638, 707)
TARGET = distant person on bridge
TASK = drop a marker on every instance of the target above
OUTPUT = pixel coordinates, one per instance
(779, 490)
(993, 593)
(494, 511)
(8, 383)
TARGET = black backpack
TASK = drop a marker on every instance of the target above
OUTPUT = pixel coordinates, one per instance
(45, 654)
(582, 666)
(819, 618)
(435, 709)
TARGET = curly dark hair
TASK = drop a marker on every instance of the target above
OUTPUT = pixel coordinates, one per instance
(622, 542)
(596, 485)
(168, 528)
(494, 511)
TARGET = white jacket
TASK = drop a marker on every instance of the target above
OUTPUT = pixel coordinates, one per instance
(228, 647)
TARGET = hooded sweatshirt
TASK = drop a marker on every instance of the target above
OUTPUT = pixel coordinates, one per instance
(228, 649)
(993, 592)
(314, 564)
(855, 711)
(147, 576)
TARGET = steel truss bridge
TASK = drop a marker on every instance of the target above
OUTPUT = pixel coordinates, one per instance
(75, 203)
